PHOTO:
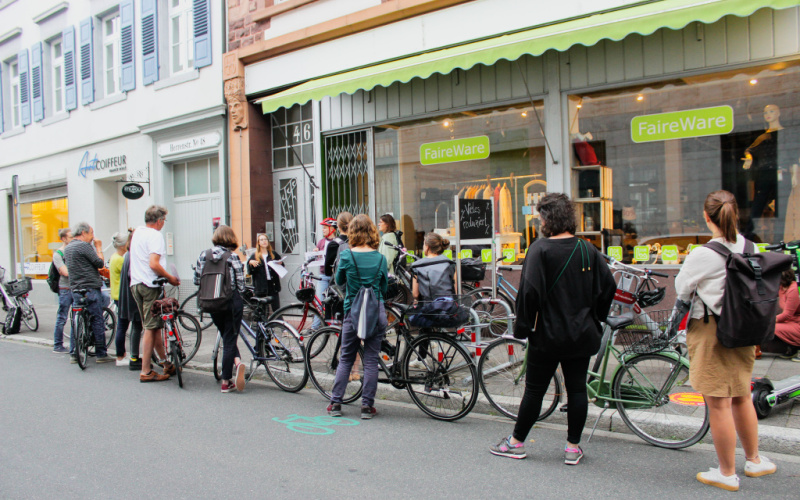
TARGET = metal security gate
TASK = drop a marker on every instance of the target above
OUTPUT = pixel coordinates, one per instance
(349, 171)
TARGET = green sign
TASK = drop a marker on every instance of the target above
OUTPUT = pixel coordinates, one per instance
(717, 120)
(486, 255)
(669, 253)
(410, 258)
(449, 253)
(509, 255)
(762, 247)
(614, 252)
(691, 248)
(641, 253)
(470, 148)
(466, 253)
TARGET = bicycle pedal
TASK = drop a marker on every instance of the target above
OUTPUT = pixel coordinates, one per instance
(563, 409)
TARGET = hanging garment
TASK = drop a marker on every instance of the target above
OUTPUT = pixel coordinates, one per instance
(792, 228)
(496, 208)
(488, 192)
(461, 192)
(506, 218)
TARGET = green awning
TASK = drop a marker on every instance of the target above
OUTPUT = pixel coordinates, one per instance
(615, 25)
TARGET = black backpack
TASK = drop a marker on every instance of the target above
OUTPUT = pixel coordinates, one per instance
(11, 325)
(53, 276)
(750, 299)
(216, 289)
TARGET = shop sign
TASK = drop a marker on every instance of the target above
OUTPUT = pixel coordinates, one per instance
(614, 252)
(470, 148)
(669, 253)
(132, 191)
(109, 164)
(189, 144)
(509, 256)
(641, 253)
(465, 253)
(474, 219)
(486, 255)
(449, 253)
(717, 120)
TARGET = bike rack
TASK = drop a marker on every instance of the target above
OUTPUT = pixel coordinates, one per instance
(477, 326)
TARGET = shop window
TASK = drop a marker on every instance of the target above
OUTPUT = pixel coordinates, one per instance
(111, 55)
(195, 177)
(292, 137)
(57, 75)
(738, 131)
(41, 221)
(181, 46)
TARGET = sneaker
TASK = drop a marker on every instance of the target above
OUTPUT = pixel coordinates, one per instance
(240, 377)
(135, 365)
(335, 409)
(126, 361)
(796, 357)
(61, 350)
(417, 364)
(153, 376)
(367, 412)
(104, 359)
(766, 466)
(505, 449)
(228, 386)
(573, 455)
(169, 368)
(715, 478)
(73, 360)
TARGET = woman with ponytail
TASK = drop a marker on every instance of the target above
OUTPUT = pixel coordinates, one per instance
(720, 374)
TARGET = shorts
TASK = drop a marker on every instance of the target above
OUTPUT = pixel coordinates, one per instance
(144, 297)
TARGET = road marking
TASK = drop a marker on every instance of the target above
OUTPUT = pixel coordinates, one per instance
(688, 399)
(318, 426)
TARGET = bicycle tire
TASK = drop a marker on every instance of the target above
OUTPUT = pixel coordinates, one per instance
(82, 342)
(499, 368)
(495, 315)
(216, 358)
(322, 366)
(176, 361)
(660, 420)
(204, 319)
(447, 387)
(302, 319)
(288, 370)
(29, 316)
(191, 333)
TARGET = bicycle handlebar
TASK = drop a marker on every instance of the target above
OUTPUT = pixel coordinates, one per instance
(400, 249)
(615, 264)
(792, 245)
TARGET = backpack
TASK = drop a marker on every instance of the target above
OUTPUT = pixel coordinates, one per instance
(53, 276)
(750, 299)
(11, 325)
(365, 307)
(216, 289)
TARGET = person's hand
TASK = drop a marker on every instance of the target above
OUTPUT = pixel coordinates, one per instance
(98, 244)
(174, 281)
(254, 263)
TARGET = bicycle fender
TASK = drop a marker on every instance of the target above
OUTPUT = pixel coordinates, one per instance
(667, 354)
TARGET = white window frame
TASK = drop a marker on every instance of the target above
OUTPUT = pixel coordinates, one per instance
(16, 105)
(181, 44)
(111, 41)
(57, 76)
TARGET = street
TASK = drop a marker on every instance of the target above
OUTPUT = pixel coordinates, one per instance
(102, 434)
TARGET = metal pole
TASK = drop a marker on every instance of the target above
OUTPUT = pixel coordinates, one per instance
(18, 219)
(457, 217)
(494, 254)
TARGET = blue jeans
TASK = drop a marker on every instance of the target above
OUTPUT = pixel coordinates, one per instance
(94, 305)
(349, 351)
(322, 287)
(64, 305)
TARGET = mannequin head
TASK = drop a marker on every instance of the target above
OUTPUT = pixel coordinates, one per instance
(772, 115)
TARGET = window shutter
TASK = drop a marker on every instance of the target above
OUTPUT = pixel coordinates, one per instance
(86, 44)
(2, 123)
(128, 69)
(36, 82)
(202, 33)
(70, 87)
(149, 41)
(24, 87)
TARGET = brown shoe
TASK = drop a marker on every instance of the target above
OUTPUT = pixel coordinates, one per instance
(758, 352)
(169, 368)
(153, 377)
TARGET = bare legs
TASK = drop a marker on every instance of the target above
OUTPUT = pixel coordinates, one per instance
(151, 340)
(729, 417)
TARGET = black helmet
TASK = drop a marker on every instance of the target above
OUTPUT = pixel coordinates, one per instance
(652, 297)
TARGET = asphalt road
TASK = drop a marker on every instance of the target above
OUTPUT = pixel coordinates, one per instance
(101, 434)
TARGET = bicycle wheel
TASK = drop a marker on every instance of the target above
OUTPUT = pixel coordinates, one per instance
(175, 356)
(285, 357)
(322, 365)
(29, 316)
(216, 357)
(83, 339)
(190, 306)
(110, 325)
(494, 314)
(299, 316)
(663, 410)
(503, 384)
(191, 333)
(446, 388)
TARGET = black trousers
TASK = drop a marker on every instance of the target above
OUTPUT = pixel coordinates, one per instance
(541, 368)
(228, 323)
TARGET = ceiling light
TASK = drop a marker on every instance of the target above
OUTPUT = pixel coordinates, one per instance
(446, 123)
(753, 81)
(640, 97)
(524, 114)
(579, 106)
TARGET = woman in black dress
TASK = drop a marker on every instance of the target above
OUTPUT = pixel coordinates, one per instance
(266, 281)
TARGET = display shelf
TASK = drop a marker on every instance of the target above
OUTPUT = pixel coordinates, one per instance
(592, 194)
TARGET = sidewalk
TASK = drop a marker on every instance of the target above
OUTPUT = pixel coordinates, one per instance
(780, 432)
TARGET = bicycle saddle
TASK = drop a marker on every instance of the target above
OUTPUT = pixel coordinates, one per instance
(621, 321)
(399, 306)
(261, 300)
(160, 281)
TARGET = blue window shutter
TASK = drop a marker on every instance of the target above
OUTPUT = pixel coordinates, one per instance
(128, 68)
(70, 86)
(2, 123)
(24, 87)
(202, 33)
(149, 41)
(36, 82)
(86, 44)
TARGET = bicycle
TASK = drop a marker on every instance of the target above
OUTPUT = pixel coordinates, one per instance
(191, 305)
(174, 343)
(81, 323)
(445, 387)
(17, 291)
(309, 311)
(272, 343)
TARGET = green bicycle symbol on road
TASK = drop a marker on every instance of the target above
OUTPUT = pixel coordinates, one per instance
(317, 426)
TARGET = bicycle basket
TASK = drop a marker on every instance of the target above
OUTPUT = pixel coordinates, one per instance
(17, 288)
(648, 333)
(305, 294)
(473, 270)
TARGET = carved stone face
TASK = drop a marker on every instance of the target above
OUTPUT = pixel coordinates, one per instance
(237, 114)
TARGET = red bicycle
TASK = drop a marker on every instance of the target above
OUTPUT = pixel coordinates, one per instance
(176, 320)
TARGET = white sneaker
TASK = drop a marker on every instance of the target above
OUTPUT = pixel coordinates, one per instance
(124, 361)
(715, 478)
(417, 364)
(752, 469)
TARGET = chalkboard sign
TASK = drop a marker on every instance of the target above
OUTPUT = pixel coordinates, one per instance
(475, 219)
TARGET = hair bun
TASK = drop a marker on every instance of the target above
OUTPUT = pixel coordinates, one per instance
(445, 243)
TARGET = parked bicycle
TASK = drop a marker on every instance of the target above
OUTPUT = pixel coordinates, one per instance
(17, 292)
(182, 332)
(191, 305)
(309, 312)
(81, 323)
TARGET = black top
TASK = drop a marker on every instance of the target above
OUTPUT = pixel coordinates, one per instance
(332, 253)
(570, 307)
(262, 286)
(127, 305)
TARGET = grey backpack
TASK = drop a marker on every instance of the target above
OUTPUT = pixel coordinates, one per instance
(365, 308)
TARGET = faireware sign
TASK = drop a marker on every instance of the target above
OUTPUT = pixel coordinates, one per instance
(470, 148)
(717, 120)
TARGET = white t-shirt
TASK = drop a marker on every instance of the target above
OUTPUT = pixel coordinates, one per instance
(146, 241)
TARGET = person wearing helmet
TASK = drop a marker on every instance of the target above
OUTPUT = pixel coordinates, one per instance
(328, 233)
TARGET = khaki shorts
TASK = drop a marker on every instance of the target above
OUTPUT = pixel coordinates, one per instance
(144, 297)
